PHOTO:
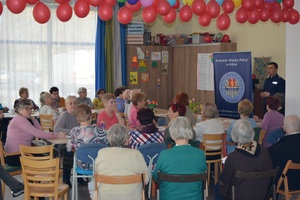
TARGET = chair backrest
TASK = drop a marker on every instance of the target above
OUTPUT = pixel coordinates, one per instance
(182, 178)
(275, 136)
(151, 150)
(88, 151)
(47, 122)
(43, 175)
(213, 145)
(290, 165)
(130, 179)
(37, 152)
(257, 133)
(269, 175)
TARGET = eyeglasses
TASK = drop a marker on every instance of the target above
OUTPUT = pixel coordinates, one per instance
(27, 108)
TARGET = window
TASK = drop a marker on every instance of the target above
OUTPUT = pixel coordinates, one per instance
(39, 56)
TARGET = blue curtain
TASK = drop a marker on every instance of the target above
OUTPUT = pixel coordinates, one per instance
(100, 67)
(123, 52)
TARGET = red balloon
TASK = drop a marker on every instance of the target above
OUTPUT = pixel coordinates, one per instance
(41, 13)
(198, 7)
(95, 3)
(253, 16)
(185, 13)
(228, 6)
(241, 15)
(225, 38)
(264, 14)
(288, 4)
(213, 8)
(223, 22)
(276, 15)
(177, 4)
(248, 4)
(208, 39)
(62, 1)
(205, 19)
(276, 5)
(134, 8)
(294, 16)
(124, 15)
(1, 7)
(64, 12)
(81, 8)
(286, 15)
(16, 6)
(110, 2)
(163, 7)
(149, 14)
(258, 4)
(32, 2)
(170, 17)
(268, 5)
(105, 12)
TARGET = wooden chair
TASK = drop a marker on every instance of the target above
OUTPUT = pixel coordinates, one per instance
(213, 148)
(41, 179)
(269, 175)
(12, 170)
(117, 180)
(261, 136)
(183, 178)
(47, 122)
(290, 165)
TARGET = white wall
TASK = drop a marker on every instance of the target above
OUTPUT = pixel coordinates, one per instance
(293, 67)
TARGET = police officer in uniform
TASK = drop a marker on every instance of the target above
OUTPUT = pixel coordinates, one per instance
(274, 83)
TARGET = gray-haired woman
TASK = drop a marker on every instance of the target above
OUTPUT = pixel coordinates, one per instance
(248, 156)
(181, 159)
(120, 160)
(47, 106)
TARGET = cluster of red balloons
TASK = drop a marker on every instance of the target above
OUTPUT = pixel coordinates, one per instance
(255, 10)
(250, 10)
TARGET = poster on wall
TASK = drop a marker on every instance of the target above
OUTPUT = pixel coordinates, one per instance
(164, 57)
(133, 78)
(145, 77)
(233, 81)
(156, 55)
(205, 72)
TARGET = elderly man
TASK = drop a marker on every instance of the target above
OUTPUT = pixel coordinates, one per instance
(288, 148)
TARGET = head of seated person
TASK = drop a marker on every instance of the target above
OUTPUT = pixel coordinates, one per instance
(273, 103)
(245, 108)
(82, 92)
(118, 136)
(71, 104)
(209, 111)
(83, 114)
(119, 92)
(46, 99)
(109, 101)
(181, 98)
(176, 110)
(243, 133)
(180, 130)
(146, 118)
(24, 108)
(139, 99)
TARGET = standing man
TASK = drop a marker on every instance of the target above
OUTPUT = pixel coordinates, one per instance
(59, 102)
(288, 148)
(274, 83)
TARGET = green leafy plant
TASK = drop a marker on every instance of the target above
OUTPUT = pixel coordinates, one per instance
(194, 106)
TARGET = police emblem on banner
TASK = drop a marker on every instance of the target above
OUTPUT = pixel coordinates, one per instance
(232, 87)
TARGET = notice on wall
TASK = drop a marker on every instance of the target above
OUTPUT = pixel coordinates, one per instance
(205, 72)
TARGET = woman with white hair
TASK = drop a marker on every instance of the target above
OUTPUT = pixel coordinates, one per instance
(248, 156)
(47, 106)
(82, 92)
(121, 161)
(180, 159)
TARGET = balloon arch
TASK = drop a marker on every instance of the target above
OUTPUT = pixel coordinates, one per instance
(250, 11)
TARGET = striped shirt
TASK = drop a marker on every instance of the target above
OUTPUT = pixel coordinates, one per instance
(137, 138)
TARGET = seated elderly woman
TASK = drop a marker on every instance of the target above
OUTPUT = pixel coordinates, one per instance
(24, 94)
(180, 159)
(97, 102)
(148, 133)
(22, 129)
(47, 107)
(139, 101)
(248, 156)
(175, 110)
(245, 108)
(67, 120)
(109, 116)
(211, 123)
(83, 99)
(122, 161)
(83, 134)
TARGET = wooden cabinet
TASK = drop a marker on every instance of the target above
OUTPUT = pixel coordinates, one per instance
(181, 74)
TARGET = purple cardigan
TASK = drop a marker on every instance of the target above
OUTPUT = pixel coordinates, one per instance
(21, 131)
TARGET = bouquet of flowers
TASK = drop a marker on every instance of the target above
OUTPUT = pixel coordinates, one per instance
(194, 106)
(152, 104)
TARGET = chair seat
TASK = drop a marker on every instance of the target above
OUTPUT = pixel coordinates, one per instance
(83, 171)
(46, 192)
(9, 168)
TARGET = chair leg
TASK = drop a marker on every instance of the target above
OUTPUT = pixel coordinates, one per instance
(208, 174)
(153, 189)
(3, 188)
(216, 173)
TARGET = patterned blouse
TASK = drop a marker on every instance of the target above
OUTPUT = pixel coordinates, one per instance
(84, 135)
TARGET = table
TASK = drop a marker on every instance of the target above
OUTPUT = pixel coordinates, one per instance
(160, 112)
(59, 143)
